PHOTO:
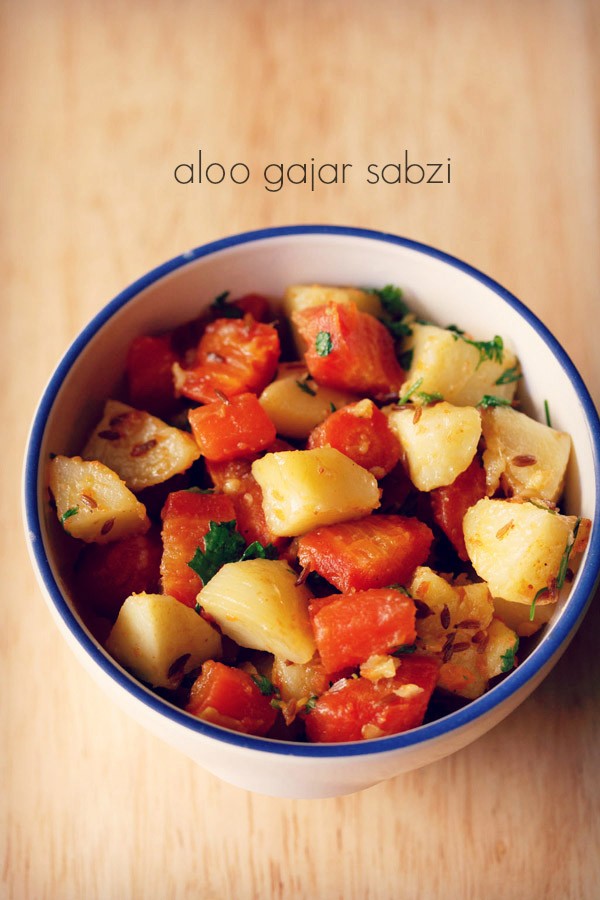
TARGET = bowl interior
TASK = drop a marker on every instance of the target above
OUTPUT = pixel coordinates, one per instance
(437, 287)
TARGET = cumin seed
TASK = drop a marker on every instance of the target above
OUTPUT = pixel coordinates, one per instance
(460, 646)
(422, 610)
(107, 526)
(504, 530)
(524, 460)
(467, 624)
(448, 648)
(479, 637)
(142, 449)
(109, 435)
(89, 501)
(445, 617)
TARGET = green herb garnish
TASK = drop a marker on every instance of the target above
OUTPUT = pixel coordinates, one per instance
(508, 658)
(265, 686)
(306, 387)
(392, 300)
(410, 392)
(404, 648)
(562, 569)
(323, 343)
(256, 550)
(68, 513)
(332, 407)
(223, 544)
(310, 703)
(398, 329)
(493, 349)
(547, 411)
(455, 329)
(509, 375)
(430, 398)
(198, 490)
(224, 309)
(198, 608)
(491, 400)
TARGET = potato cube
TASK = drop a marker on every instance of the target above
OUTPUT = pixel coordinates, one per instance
(301, 296)
(258, 604)
(142, 449)
(515, 547)
(516, 615)
(296, 406)
(160, 639)
(529, 459)
(464, 609)
(92, 502)
(303, 489)
(438, 444)
(450, 366)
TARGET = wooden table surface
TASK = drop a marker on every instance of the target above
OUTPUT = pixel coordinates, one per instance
(100, 102)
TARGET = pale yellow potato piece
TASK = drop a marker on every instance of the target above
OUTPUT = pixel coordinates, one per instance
(258, 604)
(453, 368)
(302, 296)
(516, 615)
(439, 445)
(142, 449)
(299, 681)
(295, 412)
(303, 489)
(512, 438)
(159, 639)
(467, 605)
(467, 673)
(515, 547)
(106, 510)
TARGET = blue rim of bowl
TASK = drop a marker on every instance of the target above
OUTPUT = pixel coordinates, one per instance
(452, 722)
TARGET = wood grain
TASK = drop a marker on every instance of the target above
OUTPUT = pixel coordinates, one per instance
(100, 101)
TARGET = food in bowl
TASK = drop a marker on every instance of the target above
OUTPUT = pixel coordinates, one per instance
(326, 528)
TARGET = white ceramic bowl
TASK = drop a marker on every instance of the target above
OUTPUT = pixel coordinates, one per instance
(441, 288)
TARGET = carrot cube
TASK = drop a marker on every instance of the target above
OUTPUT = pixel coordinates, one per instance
(231, 429)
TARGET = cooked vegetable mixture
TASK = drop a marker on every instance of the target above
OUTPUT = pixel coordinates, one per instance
(328, 526)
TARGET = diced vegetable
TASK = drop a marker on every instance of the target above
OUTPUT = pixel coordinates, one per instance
(149, 376)
(160, 640)
(358, 709)
(186, 520)
(299, 681)
(349, 628)
(368, 553)
(518, 616)
(360, 431)
(450, 503)
(92, 502)
(233, 428)
(303, 489)
(302, 296)
(439, 442)
(108, 573)
(140, 448)
(230, 698)
(258, 604)
(234, 356)
(516, 547)
(296, 403)
(445, 609)
(527, 458)
(360, 353)
(463, 372)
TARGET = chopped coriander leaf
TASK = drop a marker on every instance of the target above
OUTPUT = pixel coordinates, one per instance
(224, 309)
(68, 513)
(256, 550)
(539, 593)
(391, 298)
(508, 658)
(398, 329)
(406, 359)
(265, 686)
(404, 648)
(332, 407)
(415, 387)
(547, 411)
(401, 588)
(430, 398)
(275, 704)
(490, 400)
(198, 608)
(509, 375)
(310, 703)
(306, 388)
(564, 563)
(323, 343)
(223, 544)
(493, 349)
(455, 329)
(198, 490)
